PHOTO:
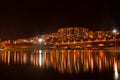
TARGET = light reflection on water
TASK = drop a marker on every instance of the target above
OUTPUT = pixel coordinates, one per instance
(66, 61)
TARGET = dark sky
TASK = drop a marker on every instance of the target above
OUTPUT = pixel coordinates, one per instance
(27, 18)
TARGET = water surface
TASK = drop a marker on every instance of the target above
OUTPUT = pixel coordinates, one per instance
(59, 64)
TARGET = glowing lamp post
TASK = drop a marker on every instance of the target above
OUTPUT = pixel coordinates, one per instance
(40, 40)
(115, 32)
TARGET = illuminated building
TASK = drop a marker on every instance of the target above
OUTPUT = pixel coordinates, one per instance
(70, 36)
(73, 34)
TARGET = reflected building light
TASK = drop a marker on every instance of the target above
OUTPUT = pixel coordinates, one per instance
(36, 51)
(21, 58)
(5, 57)
(40, 58)
(51, 59)
(2, 57)
(74, 58)
(97, 60)
(101, 53)
(62, 69)
(36, 60)
(18, 57)
(110, 63)
(55, 66)
(8, 57)
(76, 70)
(14, 57)
(47, 63)
(24, 58)
(87, 66)
(92, 64)
(64, 64)
(116, 74)
(100, 65)
(68, 62)
(105, 61)
(71, 62)
(78, 66)
(31, 59)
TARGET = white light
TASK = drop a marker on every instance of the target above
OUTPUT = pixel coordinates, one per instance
(40, 51)
(40, 40)
(114, 31)
(40, 59)
(116, 74)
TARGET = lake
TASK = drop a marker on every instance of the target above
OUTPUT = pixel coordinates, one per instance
(60, 64)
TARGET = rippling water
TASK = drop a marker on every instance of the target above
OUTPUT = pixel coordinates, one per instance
(59, 64)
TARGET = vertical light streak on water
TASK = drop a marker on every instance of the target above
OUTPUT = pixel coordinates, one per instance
(116, 74)
(25, 58)
(15, 57)
(8, 57)
(40, 58)
(31, 58)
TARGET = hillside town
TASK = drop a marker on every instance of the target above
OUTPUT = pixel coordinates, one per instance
(65, 38)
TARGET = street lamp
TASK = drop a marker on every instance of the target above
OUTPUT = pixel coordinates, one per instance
(115, 32)
(40, 40)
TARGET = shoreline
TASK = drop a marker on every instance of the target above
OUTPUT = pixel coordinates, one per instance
(93, 48)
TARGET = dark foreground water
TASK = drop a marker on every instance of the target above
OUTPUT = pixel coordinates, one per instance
(60, 64)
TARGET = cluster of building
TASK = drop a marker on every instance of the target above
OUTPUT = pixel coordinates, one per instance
(68, 35)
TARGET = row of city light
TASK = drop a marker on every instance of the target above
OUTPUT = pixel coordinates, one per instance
(41, 39)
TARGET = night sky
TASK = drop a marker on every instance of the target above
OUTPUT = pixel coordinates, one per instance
(27, 18)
